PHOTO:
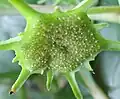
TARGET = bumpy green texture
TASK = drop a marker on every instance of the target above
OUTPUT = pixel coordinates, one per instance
(58, 41)
(62, 44)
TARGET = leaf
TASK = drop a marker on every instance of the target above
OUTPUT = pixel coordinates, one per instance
(107, 64)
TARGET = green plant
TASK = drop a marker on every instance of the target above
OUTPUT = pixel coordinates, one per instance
(59, 41)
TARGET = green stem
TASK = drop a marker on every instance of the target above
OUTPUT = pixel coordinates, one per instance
(104, 9)
(23, 8)
(111, 45)
(85, 4)
(9, 44)
(49, 79)
(20, 81)
(72, 81)
(106, 13)
(93, 88)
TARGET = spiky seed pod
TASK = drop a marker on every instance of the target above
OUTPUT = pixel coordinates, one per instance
(58, 41)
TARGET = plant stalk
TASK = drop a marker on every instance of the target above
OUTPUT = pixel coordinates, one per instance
(72, 81)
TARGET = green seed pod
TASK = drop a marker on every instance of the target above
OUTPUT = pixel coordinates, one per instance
(58, 41)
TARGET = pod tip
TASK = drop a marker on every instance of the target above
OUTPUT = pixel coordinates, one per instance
(12, 92)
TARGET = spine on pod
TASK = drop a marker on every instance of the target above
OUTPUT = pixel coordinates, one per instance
(24, 8)
(49, 79)
(111, 45)
(20, 81)
(72, 81)
(9, 44)
(85, 4)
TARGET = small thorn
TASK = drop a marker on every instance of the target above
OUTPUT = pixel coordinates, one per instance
(49, 79)
(11, 92)
(93, 72)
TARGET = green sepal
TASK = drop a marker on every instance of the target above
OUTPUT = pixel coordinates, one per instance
(10, 43)
(87, 66)
(85, 4)
(15, 59)
(100, 26)
(24, 9)
(20, 81)
(75, 88)
(49, 79)
(111, 45)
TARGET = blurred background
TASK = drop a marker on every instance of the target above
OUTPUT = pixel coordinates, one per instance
(104, 83)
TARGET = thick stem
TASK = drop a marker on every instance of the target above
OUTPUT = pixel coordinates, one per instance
(110, 14)
(72, 81)
(49, 79)
(23, 8)
(85, 4)
(104, 9)
(89, 82)
(111, 45)
(9, 44)
(20, 81)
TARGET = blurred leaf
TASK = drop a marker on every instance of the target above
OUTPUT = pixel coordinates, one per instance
(4, 92)
(9, 75)
(4, 4)
(65, 93)
(108, 2)
(59, 2)
(91, 88)
(107, 64)
(68, 2)
(32, 1)
(33, 94)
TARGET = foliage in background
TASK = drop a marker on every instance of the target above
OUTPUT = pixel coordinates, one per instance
(4, 3)
(55, 2)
